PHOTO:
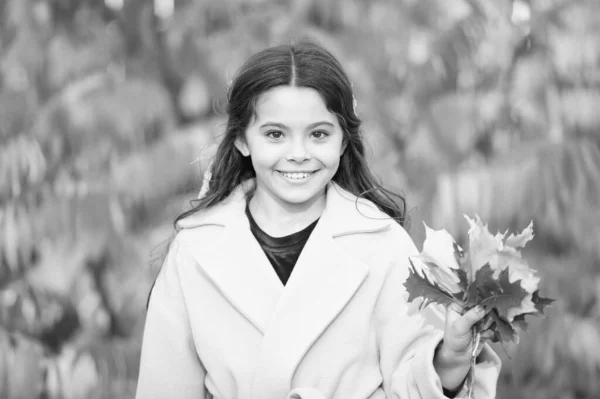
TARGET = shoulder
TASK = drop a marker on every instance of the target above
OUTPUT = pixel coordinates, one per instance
(352, 214)
(389, 257)
(382, 244)
(221, 213)
(191, 237)
(208, 217)
(187, 248)
(395, 242)
(398, 234)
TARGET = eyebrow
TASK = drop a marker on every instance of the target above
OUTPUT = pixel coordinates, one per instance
(282, 126)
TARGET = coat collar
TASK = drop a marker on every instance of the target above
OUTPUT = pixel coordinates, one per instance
(324, 279)
(346, 213)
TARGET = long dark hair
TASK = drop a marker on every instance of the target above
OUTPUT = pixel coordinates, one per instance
(302, 64)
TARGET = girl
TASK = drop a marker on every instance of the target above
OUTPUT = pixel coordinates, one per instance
(286, 280)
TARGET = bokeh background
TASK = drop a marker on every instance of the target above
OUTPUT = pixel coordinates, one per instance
(111, 109)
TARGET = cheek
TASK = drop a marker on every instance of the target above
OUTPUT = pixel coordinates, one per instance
(331, 155)
(330, 162)
(335, 163)
(264, 157)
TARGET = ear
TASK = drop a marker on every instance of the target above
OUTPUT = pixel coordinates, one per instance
(242, 147)
(344, 145)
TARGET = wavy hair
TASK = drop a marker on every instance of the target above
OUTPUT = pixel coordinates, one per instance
(302, 64)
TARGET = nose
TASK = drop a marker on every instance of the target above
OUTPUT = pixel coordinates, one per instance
(298, 151)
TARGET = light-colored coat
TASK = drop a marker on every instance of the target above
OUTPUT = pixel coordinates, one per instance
(220, 323)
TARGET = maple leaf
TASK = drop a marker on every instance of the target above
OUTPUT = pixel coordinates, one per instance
(540, 302)
(482, 244)
(492, 274)
(526, 307)
(439, 247)
(439, 260)
(520, 322)
(505, 332)
(419, 286)
(501, 253)
(446, 280)
(499, 294)
(462, 278)
(483, 286)
(532, 305)
(471, 296)
(519, 240)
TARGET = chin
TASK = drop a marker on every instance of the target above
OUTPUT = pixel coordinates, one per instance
(299, 199)
(300, 196)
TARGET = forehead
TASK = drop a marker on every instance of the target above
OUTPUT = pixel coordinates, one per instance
(292, 105)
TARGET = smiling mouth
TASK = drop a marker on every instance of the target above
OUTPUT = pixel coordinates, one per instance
(297, 175)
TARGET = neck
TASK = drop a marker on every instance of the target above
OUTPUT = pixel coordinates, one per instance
(278, 218)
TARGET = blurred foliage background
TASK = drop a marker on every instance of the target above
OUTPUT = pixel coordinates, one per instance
(110, 111)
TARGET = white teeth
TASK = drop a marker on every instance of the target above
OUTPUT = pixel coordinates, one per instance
(296, 175)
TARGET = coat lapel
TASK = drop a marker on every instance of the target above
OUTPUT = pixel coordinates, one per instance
(244, 274)
(323, 281)
(235, 262)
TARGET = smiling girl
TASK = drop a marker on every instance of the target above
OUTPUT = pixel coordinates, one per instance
(286, 278)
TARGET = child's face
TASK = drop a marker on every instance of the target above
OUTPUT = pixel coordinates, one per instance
(295, 145)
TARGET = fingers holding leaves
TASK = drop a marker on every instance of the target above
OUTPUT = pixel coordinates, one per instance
(470, 318)
(458, 332)
(461, 321)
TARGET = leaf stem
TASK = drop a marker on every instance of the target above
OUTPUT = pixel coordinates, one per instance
(471, 377)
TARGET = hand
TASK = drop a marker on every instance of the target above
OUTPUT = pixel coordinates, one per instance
(452, 359)
(458, 332)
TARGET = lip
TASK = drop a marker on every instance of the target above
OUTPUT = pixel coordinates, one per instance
(298, 181)
(298, 171)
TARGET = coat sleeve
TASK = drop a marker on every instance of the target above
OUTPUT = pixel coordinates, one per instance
(407, 339)
(169, 364)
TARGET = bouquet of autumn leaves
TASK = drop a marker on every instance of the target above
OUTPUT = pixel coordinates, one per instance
(492, 274)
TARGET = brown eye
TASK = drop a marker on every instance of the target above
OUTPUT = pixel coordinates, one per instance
(274, 134)
(320, 134)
